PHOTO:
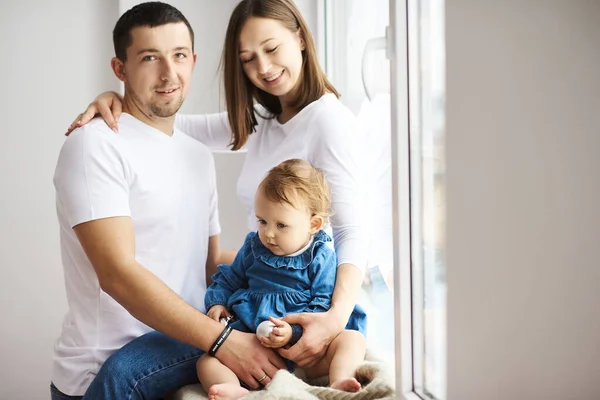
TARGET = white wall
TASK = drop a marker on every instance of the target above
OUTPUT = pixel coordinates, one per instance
(51, 53)
(523, 141)
(56, 59)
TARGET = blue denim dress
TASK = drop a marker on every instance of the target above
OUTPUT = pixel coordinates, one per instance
(260, 284)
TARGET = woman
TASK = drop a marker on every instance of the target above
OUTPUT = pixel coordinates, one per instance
(269, 58)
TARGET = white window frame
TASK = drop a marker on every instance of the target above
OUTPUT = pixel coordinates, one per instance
(403, 318)
(397, 51)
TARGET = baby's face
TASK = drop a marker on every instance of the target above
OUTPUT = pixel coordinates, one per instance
(283, 229)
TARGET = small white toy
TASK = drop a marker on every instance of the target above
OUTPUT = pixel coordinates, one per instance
(265, 328)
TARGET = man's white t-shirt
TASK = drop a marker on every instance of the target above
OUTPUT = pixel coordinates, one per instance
(167, 186)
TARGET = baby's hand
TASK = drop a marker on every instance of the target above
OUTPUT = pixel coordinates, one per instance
(280, 335)
(217, 312)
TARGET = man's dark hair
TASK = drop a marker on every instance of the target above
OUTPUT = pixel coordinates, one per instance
(150, 14)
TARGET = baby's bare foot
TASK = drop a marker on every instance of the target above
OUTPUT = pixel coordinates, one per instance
(347, 385)
(226, 391)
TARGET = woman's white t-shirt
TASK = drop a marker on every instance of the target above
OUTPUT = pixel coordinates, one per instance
(324, 134)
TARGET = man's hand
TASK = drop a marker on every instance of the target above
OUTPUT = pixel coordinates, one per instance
(217, 312)
(248, 359)
(280, 335)
(319, 330)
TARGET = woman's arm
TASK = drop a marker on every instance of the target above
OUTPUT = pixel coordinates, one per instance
(108, 105)
(213, 130)
(320, 328)
(333, 149)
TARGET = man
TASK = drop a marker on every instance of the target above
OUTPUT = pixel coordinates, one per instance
(139, 224)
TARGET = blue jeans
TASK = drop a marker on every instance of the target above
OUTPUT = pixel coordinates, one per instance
(147, 368)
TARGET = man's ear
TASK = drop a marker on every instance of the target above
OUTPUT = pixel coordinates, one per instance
(316, 224)
(118, 68)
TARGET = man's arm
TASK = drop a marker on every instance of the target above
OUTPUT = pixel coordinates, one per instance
(110, 245)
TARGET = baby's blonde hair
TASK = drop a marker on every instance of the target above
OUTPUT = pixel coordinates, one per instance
(297, 180)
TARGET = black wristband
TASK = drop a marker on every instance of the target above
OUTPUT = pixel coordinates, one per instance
(297, 331)
(220, 340)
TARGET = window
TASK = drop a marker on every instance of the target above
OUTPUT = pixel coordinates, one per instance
(356, 72)
(404, 114)
(427, 192)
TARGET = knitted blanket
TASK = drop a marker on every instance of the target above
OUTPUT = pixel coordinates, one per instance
(375, 378)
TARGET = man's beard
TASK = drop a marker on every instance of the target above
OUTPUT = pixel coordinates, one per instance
(166, 110)
(155, 109)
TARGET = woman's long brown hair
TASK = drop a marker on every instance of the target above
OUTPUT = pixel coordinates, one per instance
(240, 92)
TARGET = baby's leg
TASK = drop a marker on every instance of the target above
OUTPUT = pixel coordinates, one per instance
(219, 381)
(344, 355)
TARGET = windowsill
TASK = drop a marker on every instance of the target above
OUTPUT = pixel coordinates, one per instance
(410, 396)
